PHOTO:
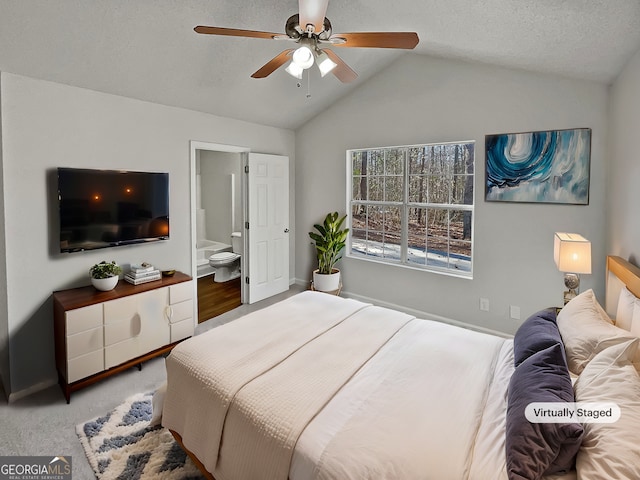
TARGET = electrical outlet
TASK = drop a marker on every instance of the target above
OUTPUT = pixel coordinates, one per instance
(514, 312)
(484, 304)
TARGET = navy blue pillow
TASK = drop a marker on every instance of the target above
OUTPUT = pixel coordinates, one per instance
(537, 449)
(538, 332)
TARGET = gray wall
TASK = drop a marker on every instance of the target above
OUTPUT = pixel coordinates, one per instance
(47, 125)
(624, 166)
(5, 376)
(419, 99)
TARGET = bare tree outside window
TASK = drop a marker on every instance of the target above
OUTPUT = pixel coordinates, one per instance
(413, 205)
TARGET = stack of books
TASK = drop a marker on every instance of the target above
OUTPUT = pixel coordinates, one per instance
(142, 273)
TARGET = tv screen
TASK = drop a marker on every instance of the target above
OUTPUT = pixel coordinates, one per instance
(107, 208)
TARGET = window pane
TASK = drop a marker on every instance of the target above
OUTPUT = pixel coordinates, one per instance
(437, 251)
(417, 236)
(393, 189)
(358, 217)
(460, 225)
(374, 218)
(417, 189)
(439, 189)
(417, 160)
(460, 255)
(395, 162)
(376, 188)
(359, 164)
(462, 190)
(376, 162)
(437, 237)
(393, 220)
(358, 188)
(436, 160)
(458, 164)
(467, 154)
(358, 241)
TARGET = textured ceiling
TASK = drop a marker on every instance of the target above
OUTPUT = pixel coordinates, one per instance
(147, 49)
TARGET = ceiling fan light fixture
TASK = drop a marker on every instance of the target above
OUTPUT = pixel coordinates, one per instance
(303, 57)
(294, 70)
(325, 64)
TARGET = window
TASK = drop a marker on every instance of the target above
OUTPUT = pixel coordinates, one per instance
(413, 206)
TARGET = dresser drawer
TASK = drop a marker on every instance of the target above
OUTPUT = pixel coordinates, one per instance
(85, 365)
(180, 292)
(181, 330)
(181, 311)
(120, 352)
(84, 342)
(84, 318)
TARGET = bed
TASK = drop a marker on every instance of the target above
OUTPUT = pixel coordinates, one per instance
(323, 387)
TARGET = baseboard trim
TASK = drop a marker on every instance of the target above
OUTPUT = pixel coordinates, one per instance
(15, 396)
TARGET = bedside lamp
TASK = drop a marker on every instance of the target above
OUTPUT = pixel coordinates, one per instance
(572, 254)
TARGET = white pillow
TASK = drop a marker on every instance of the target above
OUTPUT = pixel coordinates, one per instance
(611, 450)
(624, 312)
(635, 320)
(586, 330)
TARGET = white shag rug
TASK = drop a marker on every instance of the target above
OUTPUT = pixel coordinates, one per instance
(121, 445)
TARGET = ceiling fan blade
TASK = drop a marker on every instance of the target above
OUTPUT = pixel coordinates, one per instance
(312, 12)
(273, 64)
(342, 71)
(407, 40)
(235, 32)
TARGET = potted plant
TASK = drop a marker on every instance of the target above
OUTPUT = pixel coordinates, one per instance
(329, 242)
(105, 275)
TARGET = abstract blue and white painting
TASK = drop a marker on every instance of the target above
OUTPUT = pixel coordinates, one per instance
(546, 167)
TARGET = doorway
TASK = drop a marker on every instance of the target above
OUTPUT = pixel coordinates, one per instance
(255, 188)
(217, 214)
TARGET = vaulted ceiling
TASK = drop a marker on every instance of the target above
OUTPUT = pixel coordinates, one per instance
(147, 49)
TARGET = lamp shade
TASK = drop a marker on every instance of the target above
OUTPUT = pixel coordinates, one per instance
(572, 253)
(294, 70)
(303, 57)
(325, 64)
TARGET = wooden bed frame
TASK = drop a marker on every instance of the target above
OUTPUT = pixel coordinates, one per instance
(198, 463)
(628, 273)
(625, 271)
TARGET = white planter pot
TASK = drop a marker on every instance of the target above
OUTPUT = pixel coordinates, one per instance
(105, 284)
(326, 283)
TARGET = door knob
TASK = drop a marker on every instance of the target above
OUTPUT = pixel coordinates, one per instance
(286, 230)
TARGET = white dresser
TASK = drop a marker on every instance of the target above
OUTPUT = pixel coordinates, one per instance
(98, 334)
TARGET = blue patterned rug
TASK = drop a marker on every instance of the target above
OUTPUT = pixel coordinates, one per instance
(121, 445)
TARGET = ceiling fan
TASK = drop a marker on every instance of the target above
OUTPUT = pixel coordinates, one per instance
(311, 30)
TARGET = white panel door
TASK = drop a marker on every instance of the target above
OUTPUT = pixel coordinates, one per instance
(268, 233)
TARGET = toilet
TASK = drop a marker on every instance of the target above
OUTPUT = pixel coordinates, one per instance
(226, 265)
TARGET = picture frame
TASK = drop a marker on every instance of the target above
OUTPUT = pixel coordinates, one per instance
(549, 166)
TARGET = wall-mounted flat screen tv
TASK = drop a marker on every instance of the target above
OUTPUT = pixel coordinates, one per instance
(108, 208)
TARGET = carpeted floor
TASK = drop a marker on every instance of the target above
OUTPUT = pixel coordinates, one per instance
(122, 445)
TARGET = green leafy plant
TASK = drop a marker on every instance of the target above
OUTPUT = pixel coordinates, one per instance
(329, 241)
(105, 270)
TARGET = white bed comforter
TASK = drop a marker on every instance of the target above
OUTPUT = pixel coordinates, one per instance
(415, 412)
(417, 399)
